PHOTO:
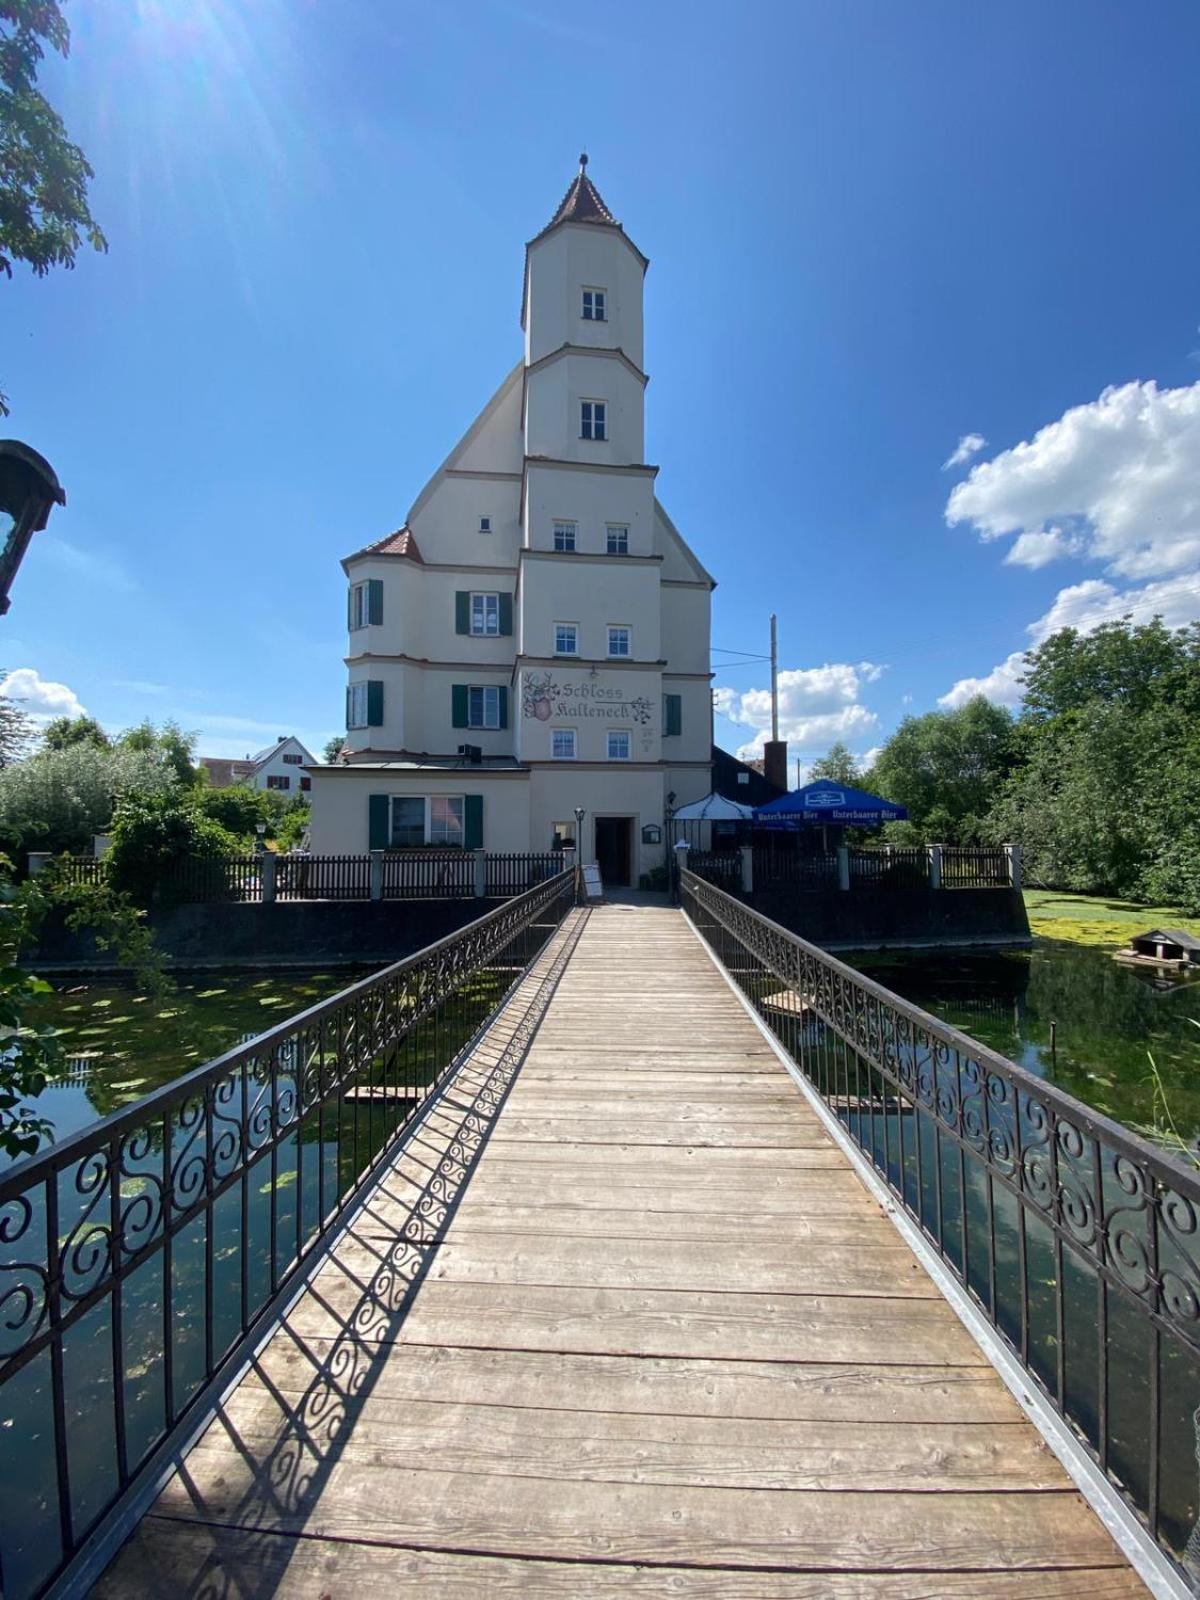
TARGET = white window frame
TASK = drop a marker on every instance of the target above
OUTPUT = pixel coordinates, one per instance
(568, 531)
(430, 826)
(359, 701)
(563, 733)
(574, 650)
(479, 599)
(593, 420)
(594, 309)
(617, 533)
(620, 628)
(279, 781)
(485, 524)
(360, 606)
(627, 738)
(489, 694)
(434, 828)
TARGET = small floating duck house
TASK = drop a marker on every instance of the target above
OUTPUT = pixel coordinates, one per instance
(1163, 946)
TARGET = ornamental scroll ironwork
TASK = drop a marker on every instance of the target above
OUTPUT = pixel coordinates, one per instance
(1078, 1239)
(219, 1186)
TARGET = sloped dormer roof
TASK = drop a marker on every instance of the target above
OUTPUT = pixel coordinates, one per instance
(400, 543)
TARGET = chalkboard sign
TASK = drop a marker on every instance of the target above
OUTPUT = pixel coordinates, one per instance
(593, 888)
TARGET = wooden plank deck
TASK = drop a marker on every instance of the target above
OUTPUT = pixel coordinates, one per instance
(640, 1330)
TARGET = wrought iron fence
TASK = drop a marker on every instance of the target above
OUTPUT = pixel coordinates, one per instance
(137, 1256)
(1077, 1240)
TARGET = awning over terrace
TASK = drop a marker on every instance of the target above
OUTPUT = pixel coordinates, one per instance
(714, 808)
(824, 802)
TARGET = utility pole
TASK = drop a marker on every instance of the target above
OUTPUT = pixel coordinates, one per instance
(774, 682)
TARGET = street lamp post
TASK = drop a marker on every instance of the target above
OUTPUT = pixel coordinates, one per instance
(578, 855)
(29, 489)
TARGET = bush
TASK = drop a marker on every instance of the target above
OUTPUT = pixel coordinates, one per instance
(58, 799)
(152, 832)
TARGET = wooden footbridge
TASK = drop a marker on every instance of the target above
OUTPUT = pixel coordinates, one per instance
(618, 1250)
(653, 1335)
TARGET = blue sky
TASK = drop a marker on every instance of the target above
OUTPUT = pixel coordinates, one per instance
(875, 229)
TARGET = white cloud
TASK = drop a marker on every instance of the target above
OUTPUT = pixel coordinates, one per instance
(1121, 475)
(1115, 481)
(1001, 685)
(817, 705)
(1085, 607)
(969, 445)
(39, 697)
(1041, 546)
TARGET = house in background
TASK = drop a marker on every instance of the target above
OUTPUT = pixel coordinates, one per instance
(281, 766)
(535, 639)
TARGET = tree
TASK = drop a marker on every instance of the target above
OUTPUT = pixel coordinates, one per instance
(1104, 793)
(176, 747)
(333, 747)
(17, 731)
(837, 765)
(1135, 666)
(59, 799)
(946, 768)
(44, 215)
(64, 732)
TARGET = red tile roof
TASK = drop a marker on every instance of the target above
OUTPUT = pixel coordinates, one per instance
(400, 543)
(582, 203)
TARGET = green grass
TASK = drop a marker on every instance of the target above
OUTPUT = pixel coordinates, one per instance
(1095, 920)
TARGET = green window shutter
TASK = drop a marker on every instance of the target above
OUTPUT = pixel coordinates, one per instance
(378, 811)
(375, 600)
(458, 705)
(374, 704)
(350, 609)
(506, 614)
(347, 708)
(462, 611)
(503, 706)
(473, 821)
(672, 713)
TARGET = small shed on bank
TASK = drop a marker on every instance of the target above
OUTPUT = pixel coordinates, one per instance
(1163, 945)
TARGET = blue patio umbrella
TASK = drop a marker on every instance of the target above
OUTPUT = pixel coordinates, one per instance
(825, 802)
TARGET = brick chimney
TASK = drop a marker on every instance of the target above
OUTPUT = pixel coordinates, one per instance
(775, 762)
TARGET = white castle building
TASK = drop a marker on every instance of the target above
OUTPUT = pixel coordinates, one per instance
(535, 639)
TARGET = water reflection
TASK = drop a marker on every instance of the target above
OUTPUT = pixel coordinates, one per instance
(1108, 1022)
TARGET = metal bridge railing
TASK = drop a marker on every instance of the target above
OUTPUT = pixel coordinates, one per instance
(139, 1257)
(1076, 1239)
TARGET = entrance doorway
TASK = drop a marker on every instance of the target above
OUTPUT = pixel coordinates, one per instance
(614, 850)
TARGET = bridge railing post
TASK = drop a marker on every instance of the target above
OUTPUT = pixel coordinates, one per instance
(376, 874)
(480, 874)
(747, 854)
(935, 866)
(268, 864)
(843, 861)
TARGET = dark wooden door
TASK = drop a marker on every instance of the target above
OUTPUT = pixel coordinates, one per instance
(613, 838)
